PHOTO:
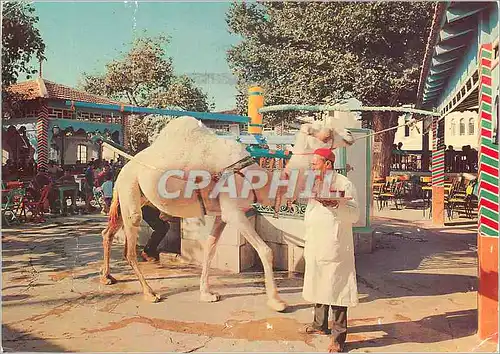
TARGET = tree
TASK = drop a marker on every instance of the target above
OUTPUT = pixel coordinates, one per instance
(21, 42)
(138, 75)
(183, 93)
(144, 77)
(312, 52)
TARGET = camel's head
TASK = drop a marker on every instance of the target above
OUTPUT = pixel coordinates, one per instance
(311, 137)
(329, 136)
(314, 136)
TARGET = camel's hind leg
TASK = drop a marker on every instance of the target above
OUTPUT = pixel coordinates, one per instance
(209, 253)
(107, 239)
(130, 203)
(231, 214)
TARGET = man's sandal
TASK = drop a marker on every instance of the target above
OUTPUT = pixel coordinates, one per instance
(309, 329)
(147, 257)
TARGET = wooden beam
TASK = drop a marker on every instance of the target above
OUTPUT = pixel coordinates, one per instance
(442, 69)
(442, 60)
(429, 91)
(162, 111)
(433, 85)
(455, 30)
(456, 13)
(444, 48)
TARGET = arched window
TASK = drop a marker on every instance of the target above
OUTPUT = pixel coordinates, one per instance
(453, 127)
(471, 126)
(462, 126)
(81, 153)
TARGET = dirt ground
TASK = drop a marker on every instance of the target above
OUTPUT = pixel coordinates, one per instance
(417, 293)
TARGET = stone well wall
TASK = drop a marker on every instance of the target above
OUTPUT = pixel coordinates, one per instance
(285, 236)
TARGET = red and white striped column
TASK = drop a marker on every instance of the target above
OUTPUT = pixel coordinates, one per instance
(125, 127)
(437, 171)
(488, 205)
(42, 132)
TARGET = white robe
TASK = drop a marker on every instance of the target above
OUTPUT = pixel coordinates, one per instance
(330, 273)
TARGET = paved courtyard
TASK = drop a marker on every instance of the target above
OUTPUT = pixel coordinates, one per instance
(417, 293)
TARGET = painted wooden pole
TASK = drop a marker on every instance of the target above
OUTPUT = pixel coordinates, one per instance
(488, 205)
(42, 132)
(437, 172)
(125, 127)
(255, 103)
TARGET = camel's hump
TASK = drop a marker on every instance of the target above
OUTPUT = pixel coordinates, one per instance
(187, 143)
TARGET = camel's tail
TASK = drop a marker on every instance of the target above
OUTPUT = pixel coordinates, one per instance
(114, 212)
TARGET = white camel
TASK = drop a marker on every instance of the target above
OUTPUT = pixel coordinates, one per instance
(186, 144)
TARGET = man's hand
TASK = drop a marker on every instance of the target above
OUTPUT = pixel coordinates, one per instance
(215, 177)
(329, 203)
(164, 217)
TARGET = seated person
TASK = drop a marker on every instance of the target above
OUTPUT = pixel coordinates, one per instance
(103, 175)
(41, 180)
(67, 178)
(107, 191)
(53, 169)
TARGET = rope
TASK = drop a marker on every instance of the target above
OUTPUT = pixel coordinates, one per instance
(343, 108)
(388, 129)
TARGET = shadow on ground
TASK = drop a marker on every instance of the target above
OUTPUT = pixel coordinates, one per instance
(410, 261)
(15, 341)
(431, 329)
(407, 261)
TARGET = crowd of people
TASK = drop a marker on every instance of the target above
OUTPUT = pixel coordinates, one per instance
(99, 175)
(464, 160)
(461, 161)
(12, 170)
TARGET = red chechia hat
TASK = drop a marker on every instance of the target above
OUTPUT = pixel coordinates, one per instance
(326, 153)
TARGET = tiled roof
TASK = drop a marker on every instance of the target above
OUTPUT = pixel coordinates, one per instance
(29, 89)
(231, 111)
(42, 88)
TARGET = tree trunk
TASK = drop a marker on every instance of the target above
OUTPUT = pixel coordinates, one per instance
(383, 142)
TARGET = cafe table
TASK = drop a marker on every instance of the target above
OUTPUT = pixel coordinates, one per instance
(62, 188)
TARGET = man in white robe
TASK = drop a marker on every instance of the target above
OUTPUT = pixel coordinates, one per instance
(330, 274)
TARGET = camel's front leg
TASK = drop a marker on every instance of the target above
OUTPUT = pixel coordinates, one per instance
(232, 215)
(210, 248)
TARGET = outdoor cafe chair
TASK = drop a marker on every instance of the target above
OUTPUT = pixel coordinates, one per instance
(394, 192)
(462, 201)
(37, 208)
(12, 205)
(426, 187)
(378, 188)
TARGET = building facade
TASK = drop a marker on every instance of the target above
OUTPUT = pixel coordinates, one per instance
(460, 129)
(57, 131)
(460, 74)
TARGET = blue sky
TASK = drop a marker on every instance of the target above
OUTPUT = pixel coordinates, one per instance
(83, 37)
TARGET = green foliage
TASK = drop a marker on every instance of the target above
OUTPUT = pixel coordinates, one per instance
(319, 52)
(137, 76)
(308, 52)
(144, 76)
(21, 41)
(183, 93)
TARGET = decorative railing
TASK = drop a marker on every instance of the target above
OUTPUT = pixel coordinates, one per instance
(455, 162)
(407, 161)
(292, 209)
